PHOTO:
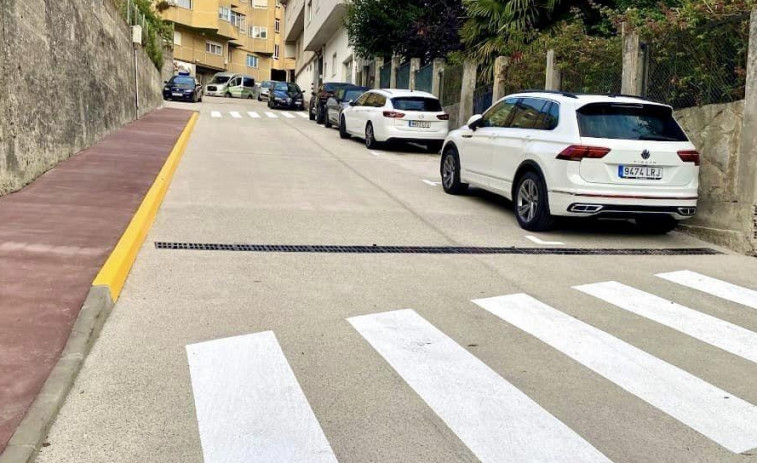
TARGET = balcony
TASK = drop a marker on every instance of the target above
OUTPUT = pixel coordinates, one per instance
(201, 17)
(294, 20)
(325, 21)
(226, 29)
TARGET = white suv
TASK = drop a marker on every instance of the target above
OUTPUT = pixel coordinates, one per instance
(561, 154)
(387, 115)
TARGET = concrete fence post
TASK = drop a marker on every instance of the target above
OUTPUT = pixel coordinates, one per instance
(377, 72)
(747, 163)
(500, 69)
(415, 66)
(396, 61)
(467, 91)
(553, 72)
(633, 64)
(436, 79)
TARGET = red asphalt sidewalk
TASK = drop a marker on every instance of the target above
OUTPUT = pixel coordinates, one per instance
(55, 234)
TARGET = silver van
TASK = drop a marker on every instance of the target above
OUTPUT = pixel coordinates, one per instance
(240, 86)
(219, 84)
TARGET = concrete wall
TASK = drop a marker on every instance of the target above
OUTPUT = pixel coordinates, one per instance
(336, 71)
(67, 79)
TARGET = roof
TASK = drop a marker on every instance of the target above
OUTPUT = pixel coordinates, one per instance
(582, 99)
(396, 92)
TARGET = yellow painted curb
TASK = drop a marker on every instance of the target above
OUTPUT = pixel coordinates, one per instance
(113, 274)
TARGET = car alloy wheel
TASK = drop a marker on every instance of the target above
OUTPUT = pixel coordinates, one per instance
(449, 169)
(528, 200)
(370, 138)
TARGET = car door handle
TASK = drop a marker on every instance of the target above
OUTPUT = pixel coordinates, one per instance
(467, 136)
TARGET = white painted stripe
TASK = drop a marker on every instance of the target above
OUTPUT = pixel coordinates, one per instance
(235, 114)
(727, 336)
(429, 182)
(493, 418)
(727, 420)
(287, 115)
(719, 288)
(215, 114)
(250, 407)
(253, 114)
(303, 115)
(538, 241)
(271, 115)
(374, 153)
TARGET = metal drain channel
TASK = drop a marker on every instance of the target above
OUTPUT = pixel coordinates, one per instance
(334, 249)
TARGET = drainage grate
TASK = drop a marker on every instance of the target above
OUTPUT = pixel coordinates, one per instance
(333, 249)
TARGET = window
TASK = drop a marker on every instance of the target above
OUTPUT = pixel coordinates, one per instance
(260, 3)
(550, 117)
(258, 32)
(224, 13)
(527, 112)
(184, 4)
(276, 51)
(277, 25)
(237, 20)
(252, 61)
(333, 64)
(310, 10)
(498, 114)
(177, 38)
(416, 103)
(235, 82)
(249, 82)
(629, 121)
(376, 100)
(363, 99)
(214, 48)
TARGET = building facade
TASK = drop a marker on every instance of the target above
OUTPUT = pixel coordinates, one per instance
(241, 36)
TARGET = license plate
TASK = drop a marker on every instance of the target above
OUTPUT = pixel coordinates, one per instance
(177, 94)
(420, 124)
(640, 172)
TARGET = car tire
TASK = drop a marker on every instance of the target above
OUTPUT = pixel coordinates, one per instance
(658, 225)
(531, 203)
(450, 172)
(327, 122)
(370, 137)
(227, 95)
(259, 98)
(343, 134)
(311, 114)
(319, 119)
(434, 146)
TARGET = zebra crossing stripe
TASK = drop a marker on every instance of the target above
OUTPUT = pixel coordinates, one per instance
(253, 114)
(249, 405)
(719, 333)
(493, 418)
(287, 115)
(709, 285)
(271, 115)
(235, 114)
(215, 114)
(302, 115)
(715, 413)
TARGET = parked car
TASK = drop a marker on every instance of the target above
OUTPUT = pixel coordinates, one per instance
(286, 95)
(561, 154)
(319, 98)
(385, 115)
(240, 86)
(182, 87)
(218, 85)
(341, 99)
(264, 89)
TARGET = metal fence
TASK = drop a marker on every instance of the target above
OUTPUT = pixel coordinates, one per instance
(424, 78)
(526, 71)
(696, 67)
(403, 76)
(385, 75)
(594, 67)
(482, 98)
(452, 84)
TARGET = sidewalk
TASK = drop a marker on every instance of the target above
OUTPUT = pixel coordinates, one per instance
(55, 234)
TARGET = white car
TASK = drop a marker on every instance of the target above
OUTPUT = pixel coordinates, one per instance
(560, 154)
(388, 115)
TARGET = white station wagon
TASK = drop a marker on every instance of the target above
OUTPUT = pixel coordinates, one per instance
(562, 154)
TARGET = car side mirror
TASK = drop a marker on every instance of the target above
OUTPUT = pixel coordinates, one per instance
(165, 81)
(474, 121)
(352, 103)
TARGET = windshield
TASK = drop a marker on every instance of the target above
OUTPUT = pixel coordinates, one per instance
(352, 95)
(182, 80)
(220, 79)
(285, 87)
(416, 103)
(267, 84)
(625, 121)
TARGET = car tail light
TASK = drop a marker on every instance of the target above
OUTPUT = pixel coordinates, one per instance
(394, 114)
(443, 117)
(578, 152)
(689, 156)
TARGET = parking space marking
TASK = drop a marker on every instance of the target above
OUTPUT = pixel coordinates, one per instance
(303, 115)
(709, 285)
(713, 412)
(271, 115)
(548, 243)
(215, 114)
(287, 115)
(253, 114)
(374, 153)
(235, 114)
(429, 182)
(492, 417)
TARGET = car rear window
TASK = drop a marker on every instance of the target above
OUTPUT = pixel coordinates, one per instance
(416, 103)
(629, 122)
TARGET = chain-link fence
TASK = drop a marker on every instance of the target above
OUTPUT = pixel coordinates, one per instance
(525, 71)
(596, 66)
(699, 66)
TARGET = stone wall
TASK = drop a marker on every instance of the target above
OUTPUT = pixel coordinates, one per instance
(67, 79)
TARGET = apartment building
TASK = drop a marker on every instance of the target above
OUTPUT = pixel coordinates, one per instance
(314, 34)
(242, 36)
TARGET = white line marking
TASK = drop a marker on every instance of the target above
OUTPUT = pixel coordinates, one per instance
(719, 288)
(374, 153)
(724, 418)
(727, 336)
(215, 114)
(538, 241)
(235, 114)
(429, 182)
(253, 114)
(303, 115)
(250, 407)
(271, 115)
(287, 115)
(493, 418)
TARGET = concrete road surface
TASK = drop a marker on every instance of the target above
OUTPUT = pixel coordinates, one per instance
(237, 356)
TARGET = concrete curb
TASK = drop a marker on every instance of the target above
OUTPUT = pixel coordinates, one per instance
(26, 440)
(31, 432)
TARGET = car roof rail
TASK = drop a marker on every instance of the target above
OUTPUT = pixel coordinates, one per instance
(554, 92)
(623, 95)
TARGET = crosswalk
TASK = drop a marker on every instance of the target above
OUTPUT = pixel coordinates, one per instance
(251, 408)
(258, 115)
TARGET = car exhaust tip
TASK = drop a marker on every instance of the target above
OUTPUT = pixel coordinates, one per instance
(585, 208)
(687, 211)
